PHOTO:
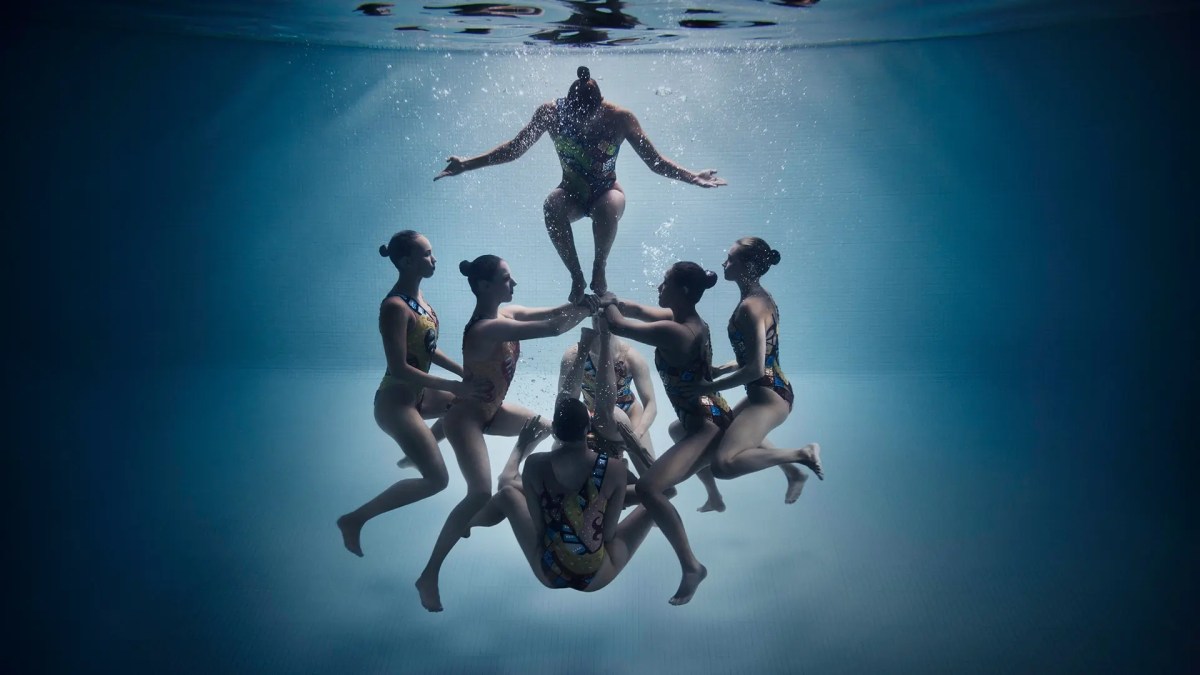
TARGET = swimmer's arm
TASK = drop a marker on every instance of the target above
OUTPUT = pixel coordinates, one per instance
(662, 333)
(536, 313)
(606, 390)
(504, 328)
(727, 367)
(659, 164)
(570, 372)
(748, 323)
(645, 389)
(608, 417)
(505, 152)
(440, 358)
(636, 310)
(393, 326)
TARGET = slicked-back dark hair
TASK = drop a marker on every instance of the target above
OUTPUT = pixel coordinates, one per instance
(480, 269)
(694, 278)
(760, 257)
(400, 246)
(571, 420)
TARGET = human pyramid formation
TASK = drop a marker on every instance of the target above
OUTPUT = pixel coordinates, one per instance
(565, 505)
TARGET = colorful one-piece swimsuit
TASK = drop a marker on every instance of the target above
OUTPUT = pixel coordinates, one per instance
(589, 164)
(588, 387)
(573, 539)
(499, 367)
(773, 378)
(422, 343)
(710, 406)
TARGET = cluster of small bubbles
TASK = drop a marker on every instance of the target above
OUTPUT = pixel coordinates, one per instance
(656, 257)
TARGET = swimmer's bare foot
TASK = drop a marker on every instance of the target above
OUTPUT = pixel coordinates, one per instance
(687, 586)
(810, 456)
(351, 529)
(795, 483)
(714, 503)
(431, 599)
(578, 286)
(600, 282)
(406, 463)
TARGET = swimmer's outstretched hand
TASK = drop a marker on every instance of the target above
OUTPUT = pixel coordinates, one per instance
(454, 166)
(707, 179)
(479, 389)
(533, 432)
(696, 388)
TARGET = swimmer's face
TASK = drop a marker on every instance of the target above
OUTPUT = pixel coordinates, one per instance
(735, 262)
(421, 260)
(668, 290)
(503, 283)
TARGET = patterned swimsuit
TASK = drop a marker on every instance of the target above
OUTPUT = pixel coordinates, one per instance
(499, 367)
(422, 343)
(573, 538)
(710, 406)
(589, 164)
(773, 378)
(588, 387)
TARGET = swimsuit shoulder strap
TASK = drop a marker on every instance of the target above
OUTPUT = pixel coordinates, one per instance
(599, 469)
(595, 479)
(411, 302)
(475, 318)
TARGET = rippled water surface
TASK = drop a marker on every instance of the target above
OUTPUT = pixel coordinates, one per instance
(632, 24)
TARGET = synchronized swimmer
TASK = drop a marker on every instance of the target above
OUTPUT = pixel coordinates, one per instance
(587, 132)
(564, 506)
(491, 349)
(408, 394)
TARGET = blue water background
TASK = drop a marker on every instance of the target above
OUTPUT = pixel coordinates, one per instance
(988, 311)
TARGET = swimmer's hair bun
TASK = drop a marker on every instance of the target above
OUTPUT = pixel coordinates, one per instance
(773, 257)
(383, 252)
(464, 268)
(583, 73)
(710, 279)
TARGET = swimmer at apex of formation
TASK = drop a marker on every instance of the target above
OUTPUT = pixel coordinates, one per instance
(587, 132)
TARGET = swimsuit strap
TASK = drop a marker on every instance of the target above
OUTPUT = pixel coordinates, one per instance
(411, 302)
(475, 318)
(599, 469)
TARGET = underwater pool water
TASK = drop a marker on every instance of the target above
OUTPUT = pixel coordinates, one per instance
(986, 309)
